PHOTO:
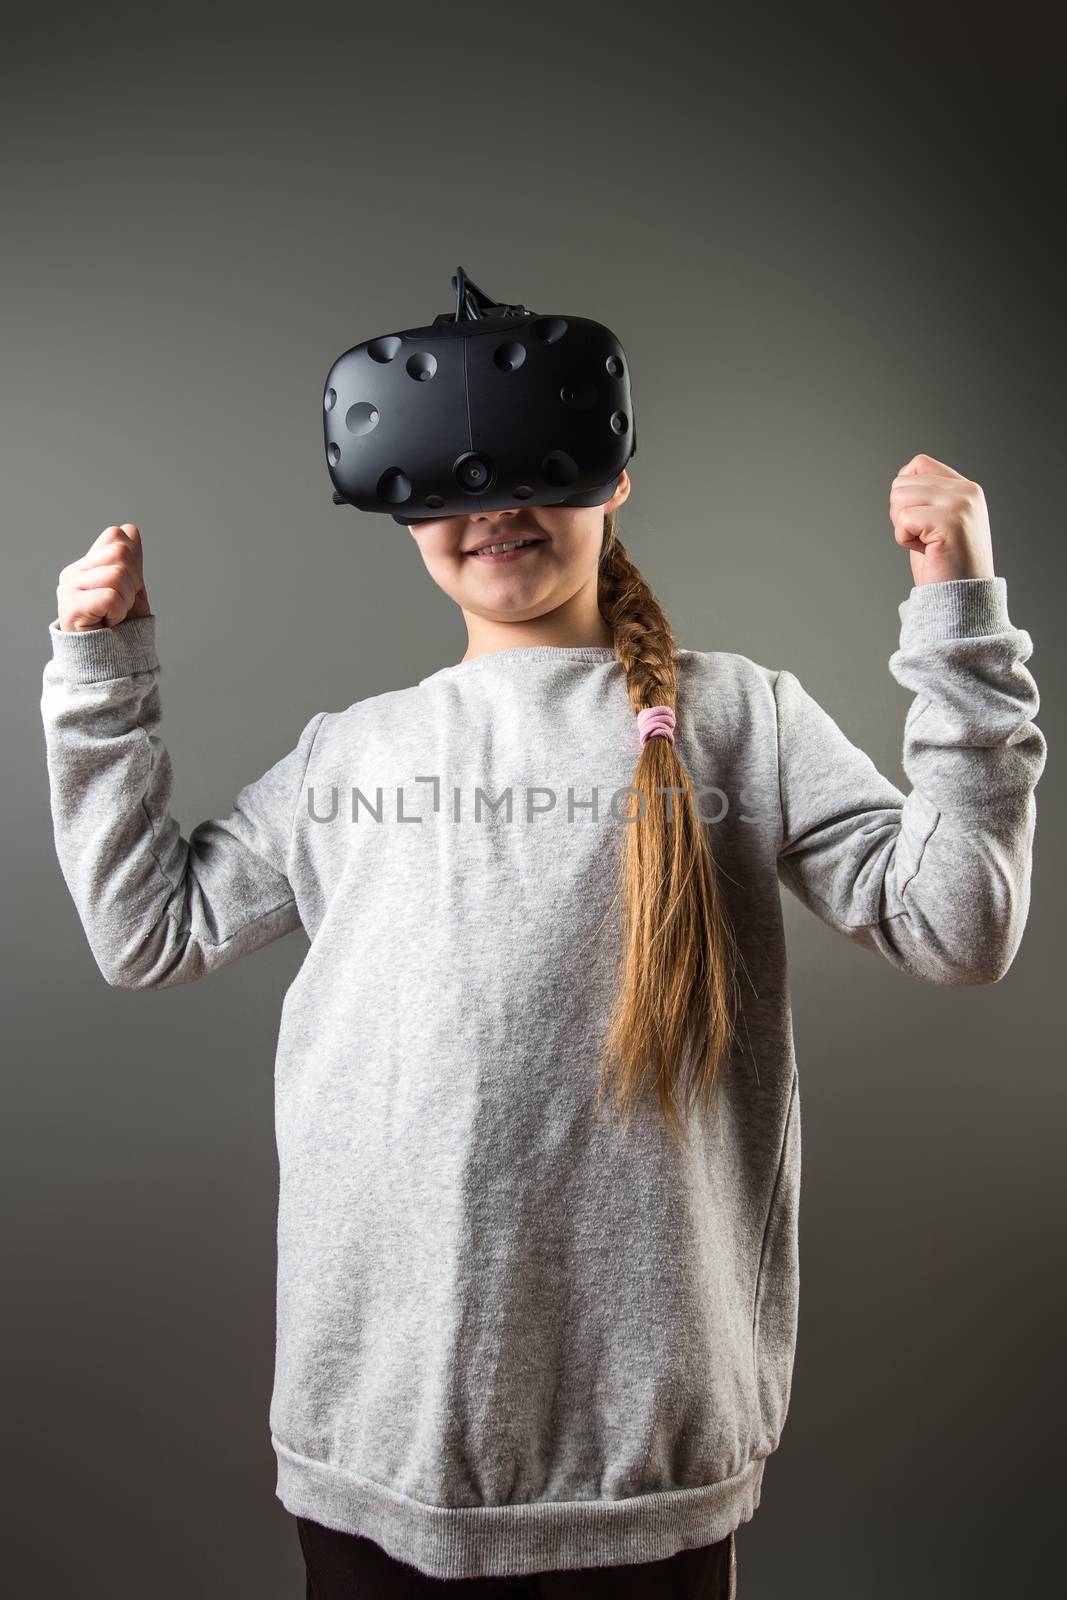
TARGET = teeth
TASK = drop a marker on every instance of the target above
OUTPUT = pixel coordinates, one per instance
(497, 549)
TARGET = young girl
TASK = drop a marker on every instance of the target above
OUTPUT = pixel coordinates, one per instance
(529, 1331)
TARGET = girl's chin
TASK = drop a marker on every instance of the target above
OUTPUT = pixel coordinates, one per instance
(506, 580)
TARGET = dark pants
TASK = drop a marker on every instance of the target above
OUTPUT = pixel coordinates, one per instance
(347, 1566)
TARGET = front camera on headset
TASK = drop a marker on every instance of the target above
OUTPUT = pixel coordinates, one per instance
(474, 474)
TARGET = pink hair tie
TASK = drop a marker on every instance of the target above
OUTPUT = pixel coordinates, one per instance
(653, 720)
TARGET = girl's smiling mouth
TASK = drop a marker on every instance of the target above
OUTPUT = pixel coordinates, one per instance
(503, 550)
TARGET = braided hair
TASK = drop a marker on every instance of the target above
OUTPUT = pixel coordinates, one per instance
(675, 1016)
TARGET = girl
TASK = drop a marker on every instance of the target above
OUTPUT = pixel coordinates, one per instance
(532, 1335)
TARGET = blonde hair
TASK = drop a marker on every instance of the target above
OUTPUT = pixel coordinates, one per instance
(675, 1016)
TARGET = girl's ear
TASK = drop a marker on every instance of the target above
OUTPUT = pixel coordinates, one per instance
(622, 492)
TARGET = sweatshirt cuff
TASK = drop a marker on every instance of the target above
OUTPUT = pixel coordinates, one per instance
(958, 608)
(95, 654)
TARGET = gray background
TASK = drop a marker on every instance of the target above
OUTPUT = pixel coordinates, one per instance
(827, 239)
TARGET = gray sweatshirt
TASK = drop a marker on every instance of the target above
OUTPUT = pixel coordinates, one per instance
(512, 1337)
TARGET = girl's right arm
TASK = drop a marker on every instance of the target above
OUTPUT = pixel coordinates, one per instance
(157, 909)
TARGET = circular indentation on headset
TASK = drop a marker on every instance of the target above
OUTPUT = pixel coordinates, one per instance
(509, 357)
(579, 396)
(550, 329)
(620, 421)
(421, 366)
(385, 348)
(558, 468)
(330, 399)
(614, 366)
(361, 418)
(434, 501)
(334, 453)
(523, 492)
(394, 487)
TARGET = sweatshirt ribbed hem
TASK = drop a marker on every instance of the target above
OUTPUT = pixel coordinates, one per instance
(501, 1540)
(96, 654)
(958, 608)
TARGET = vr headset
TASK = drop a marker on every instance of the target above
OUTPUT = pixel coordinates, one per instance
(491, 406)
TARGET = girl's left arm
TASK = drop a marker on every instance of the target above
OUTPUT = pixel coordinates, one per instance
(937, 881)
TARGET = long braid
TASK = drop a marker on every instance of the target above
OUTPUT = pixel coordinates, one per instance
(676, 1011)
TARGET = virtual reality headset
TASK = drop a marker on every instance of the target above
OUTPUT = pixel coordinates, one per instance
(490, 406)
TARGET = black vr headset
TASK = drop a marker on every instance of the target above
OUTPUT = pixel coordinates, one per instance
(489, 407)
